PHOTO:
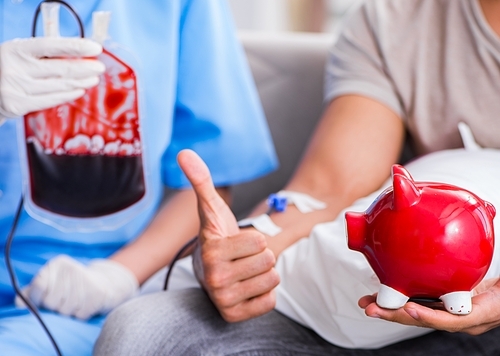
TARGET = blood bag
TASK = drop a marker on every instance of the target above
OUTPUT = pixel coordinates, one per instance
(85, 166)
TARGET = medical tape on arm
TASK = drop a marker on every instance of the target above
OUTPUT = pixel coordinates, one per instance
(277, 202)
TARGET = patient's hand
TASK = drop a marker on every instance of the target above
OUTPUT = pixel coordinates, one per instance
(485, 313)
(235, 268)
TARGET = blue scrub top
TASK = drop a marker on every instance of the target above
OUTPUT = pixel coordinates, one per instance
(198, 93)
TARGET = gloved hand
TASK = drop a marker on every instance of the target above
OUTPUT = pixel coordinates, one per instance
(42, 72)
(71, 288)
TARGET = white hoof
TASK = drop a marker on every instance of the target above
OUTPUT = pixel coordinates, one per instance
(457, 302)
(390, 298)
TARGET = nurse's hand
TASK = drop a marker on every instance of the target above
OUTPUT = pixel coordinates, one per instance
(42, 72)
(71, 288)
(235, 268)
(485, 313)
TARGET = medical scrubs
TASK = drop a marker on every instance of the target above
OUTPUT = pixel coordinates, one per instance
(196, 92)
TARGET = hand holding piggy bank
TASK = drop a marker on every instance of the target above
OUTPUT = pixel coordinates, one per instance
(425, 240)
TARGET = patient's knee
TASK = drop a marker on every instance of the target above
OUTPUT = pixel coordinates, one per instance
(158, 323)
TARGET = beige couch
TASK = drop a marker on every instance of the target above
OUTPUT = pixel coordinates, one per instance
(288, 70)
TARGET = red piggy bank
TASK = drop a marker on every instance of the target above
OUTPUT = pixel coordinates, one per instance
(425, 240)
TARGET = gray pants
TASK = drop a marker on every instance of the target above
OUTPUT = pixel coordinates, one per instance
(185, 322)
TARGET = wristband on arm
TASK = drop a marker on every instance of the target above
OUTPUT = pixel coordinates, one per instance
(277, 202)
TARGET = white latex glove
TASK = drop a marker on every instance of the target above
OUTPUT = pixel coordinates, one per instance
(42, 72)
(71, 288)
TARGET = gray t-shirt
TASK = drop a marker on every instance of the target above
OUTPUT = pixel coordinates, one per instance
(433, 62)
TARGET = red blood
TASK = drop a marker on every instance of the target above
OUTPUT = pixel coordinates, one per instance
(85, 156)
(68, 185)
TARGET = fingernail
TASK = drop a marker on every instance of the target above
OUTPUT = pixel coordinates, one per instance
(375, 316)
(412, 312)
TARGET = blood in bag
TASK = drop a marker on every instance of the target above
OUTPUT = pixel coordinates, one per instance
(85, 156)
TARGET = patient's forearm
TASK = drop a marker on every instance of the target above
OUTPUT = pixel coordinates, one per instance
(297, 225)
(350, 156)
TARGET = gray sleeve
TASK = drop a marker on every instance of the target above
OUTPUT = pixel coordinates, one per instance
(355, 64)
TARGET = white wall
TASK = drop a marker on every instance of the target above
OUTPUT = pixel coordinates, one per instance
(260, 15)
(273, 15)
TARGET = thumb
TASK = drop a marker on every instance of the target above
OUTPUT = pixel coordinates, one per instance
(485, 285)
(198, 175)
(217, 219)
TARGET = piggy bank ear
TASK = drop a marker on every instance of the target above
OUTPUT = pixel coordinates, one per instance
(491, 209)
(398, 169)
(406, 193)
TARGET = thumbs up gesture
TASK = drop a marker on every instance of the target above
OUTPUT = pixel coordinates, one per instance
(235, 267)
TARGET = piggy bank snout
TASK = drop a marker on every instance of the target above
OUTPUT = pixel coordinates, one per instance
(355, 230)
